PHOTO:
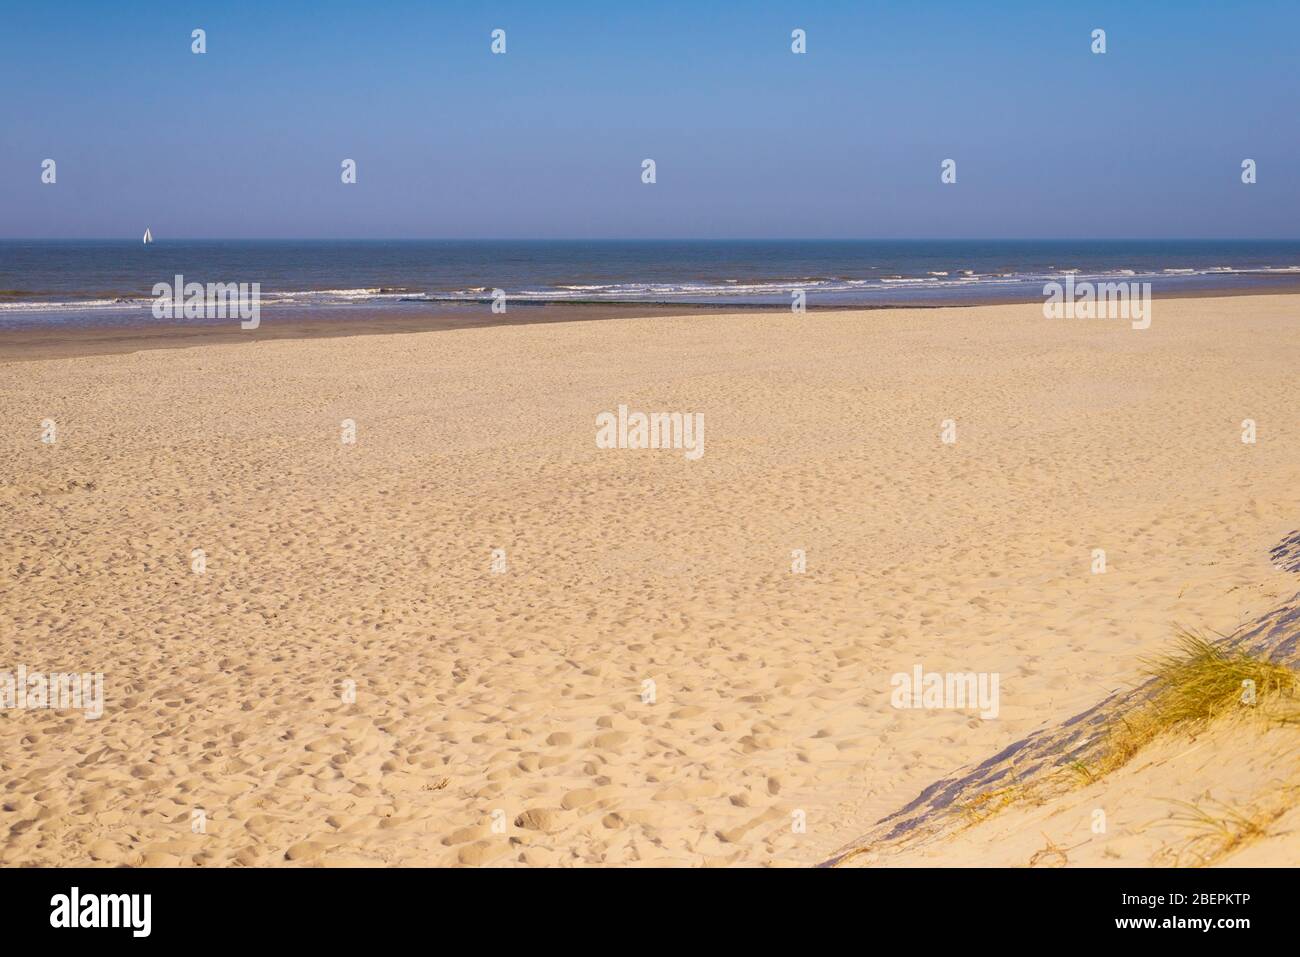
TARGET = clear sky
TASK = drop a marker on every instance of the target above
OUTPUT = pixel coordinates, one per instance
(750, 140)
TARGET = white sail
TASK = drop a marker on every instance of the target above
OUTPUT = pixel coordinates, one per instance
(148, 236)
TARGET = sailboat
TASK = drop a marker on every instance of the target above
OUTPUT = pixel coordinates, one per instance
(148, 236)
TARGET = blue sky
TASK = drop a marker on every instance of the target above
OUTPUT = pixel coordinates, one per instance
(750, 140)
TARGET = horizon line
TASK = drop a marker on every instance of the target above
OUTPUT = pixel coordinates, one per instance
(663, 239)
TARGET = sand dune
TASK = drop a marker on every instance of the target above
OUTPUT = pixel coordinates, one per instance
(1193, 792)
(504, 718)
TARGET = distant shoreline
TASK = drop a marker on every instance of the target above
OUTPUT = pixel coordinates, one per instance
(70, 341)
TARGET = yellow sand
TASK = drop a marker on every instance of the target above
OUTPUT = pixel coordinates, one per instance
(520, 694)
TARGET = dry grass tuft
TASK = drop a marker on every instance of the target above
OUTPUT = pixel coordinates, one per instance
(1197, 683)
(1216, 829)
(986, 804)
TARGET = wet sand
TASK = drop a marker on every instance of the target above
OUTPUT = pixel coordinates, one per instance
(49, 342)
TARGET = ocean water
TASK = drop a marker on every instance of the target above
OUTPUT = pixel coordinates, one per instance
(111, 281)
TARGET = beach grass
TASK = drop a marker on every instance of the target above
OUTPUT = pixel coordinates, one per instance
(1196, 683)
(1213, 829)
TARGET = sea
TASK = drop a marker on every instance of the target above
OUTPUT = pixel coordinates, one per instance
(108, 282)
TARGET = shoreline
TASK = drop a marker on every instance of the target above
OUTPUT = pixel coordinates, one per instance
(29, 343)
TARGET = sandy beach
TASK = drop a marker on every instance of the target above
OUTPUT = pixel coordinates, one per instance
(474, 637)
